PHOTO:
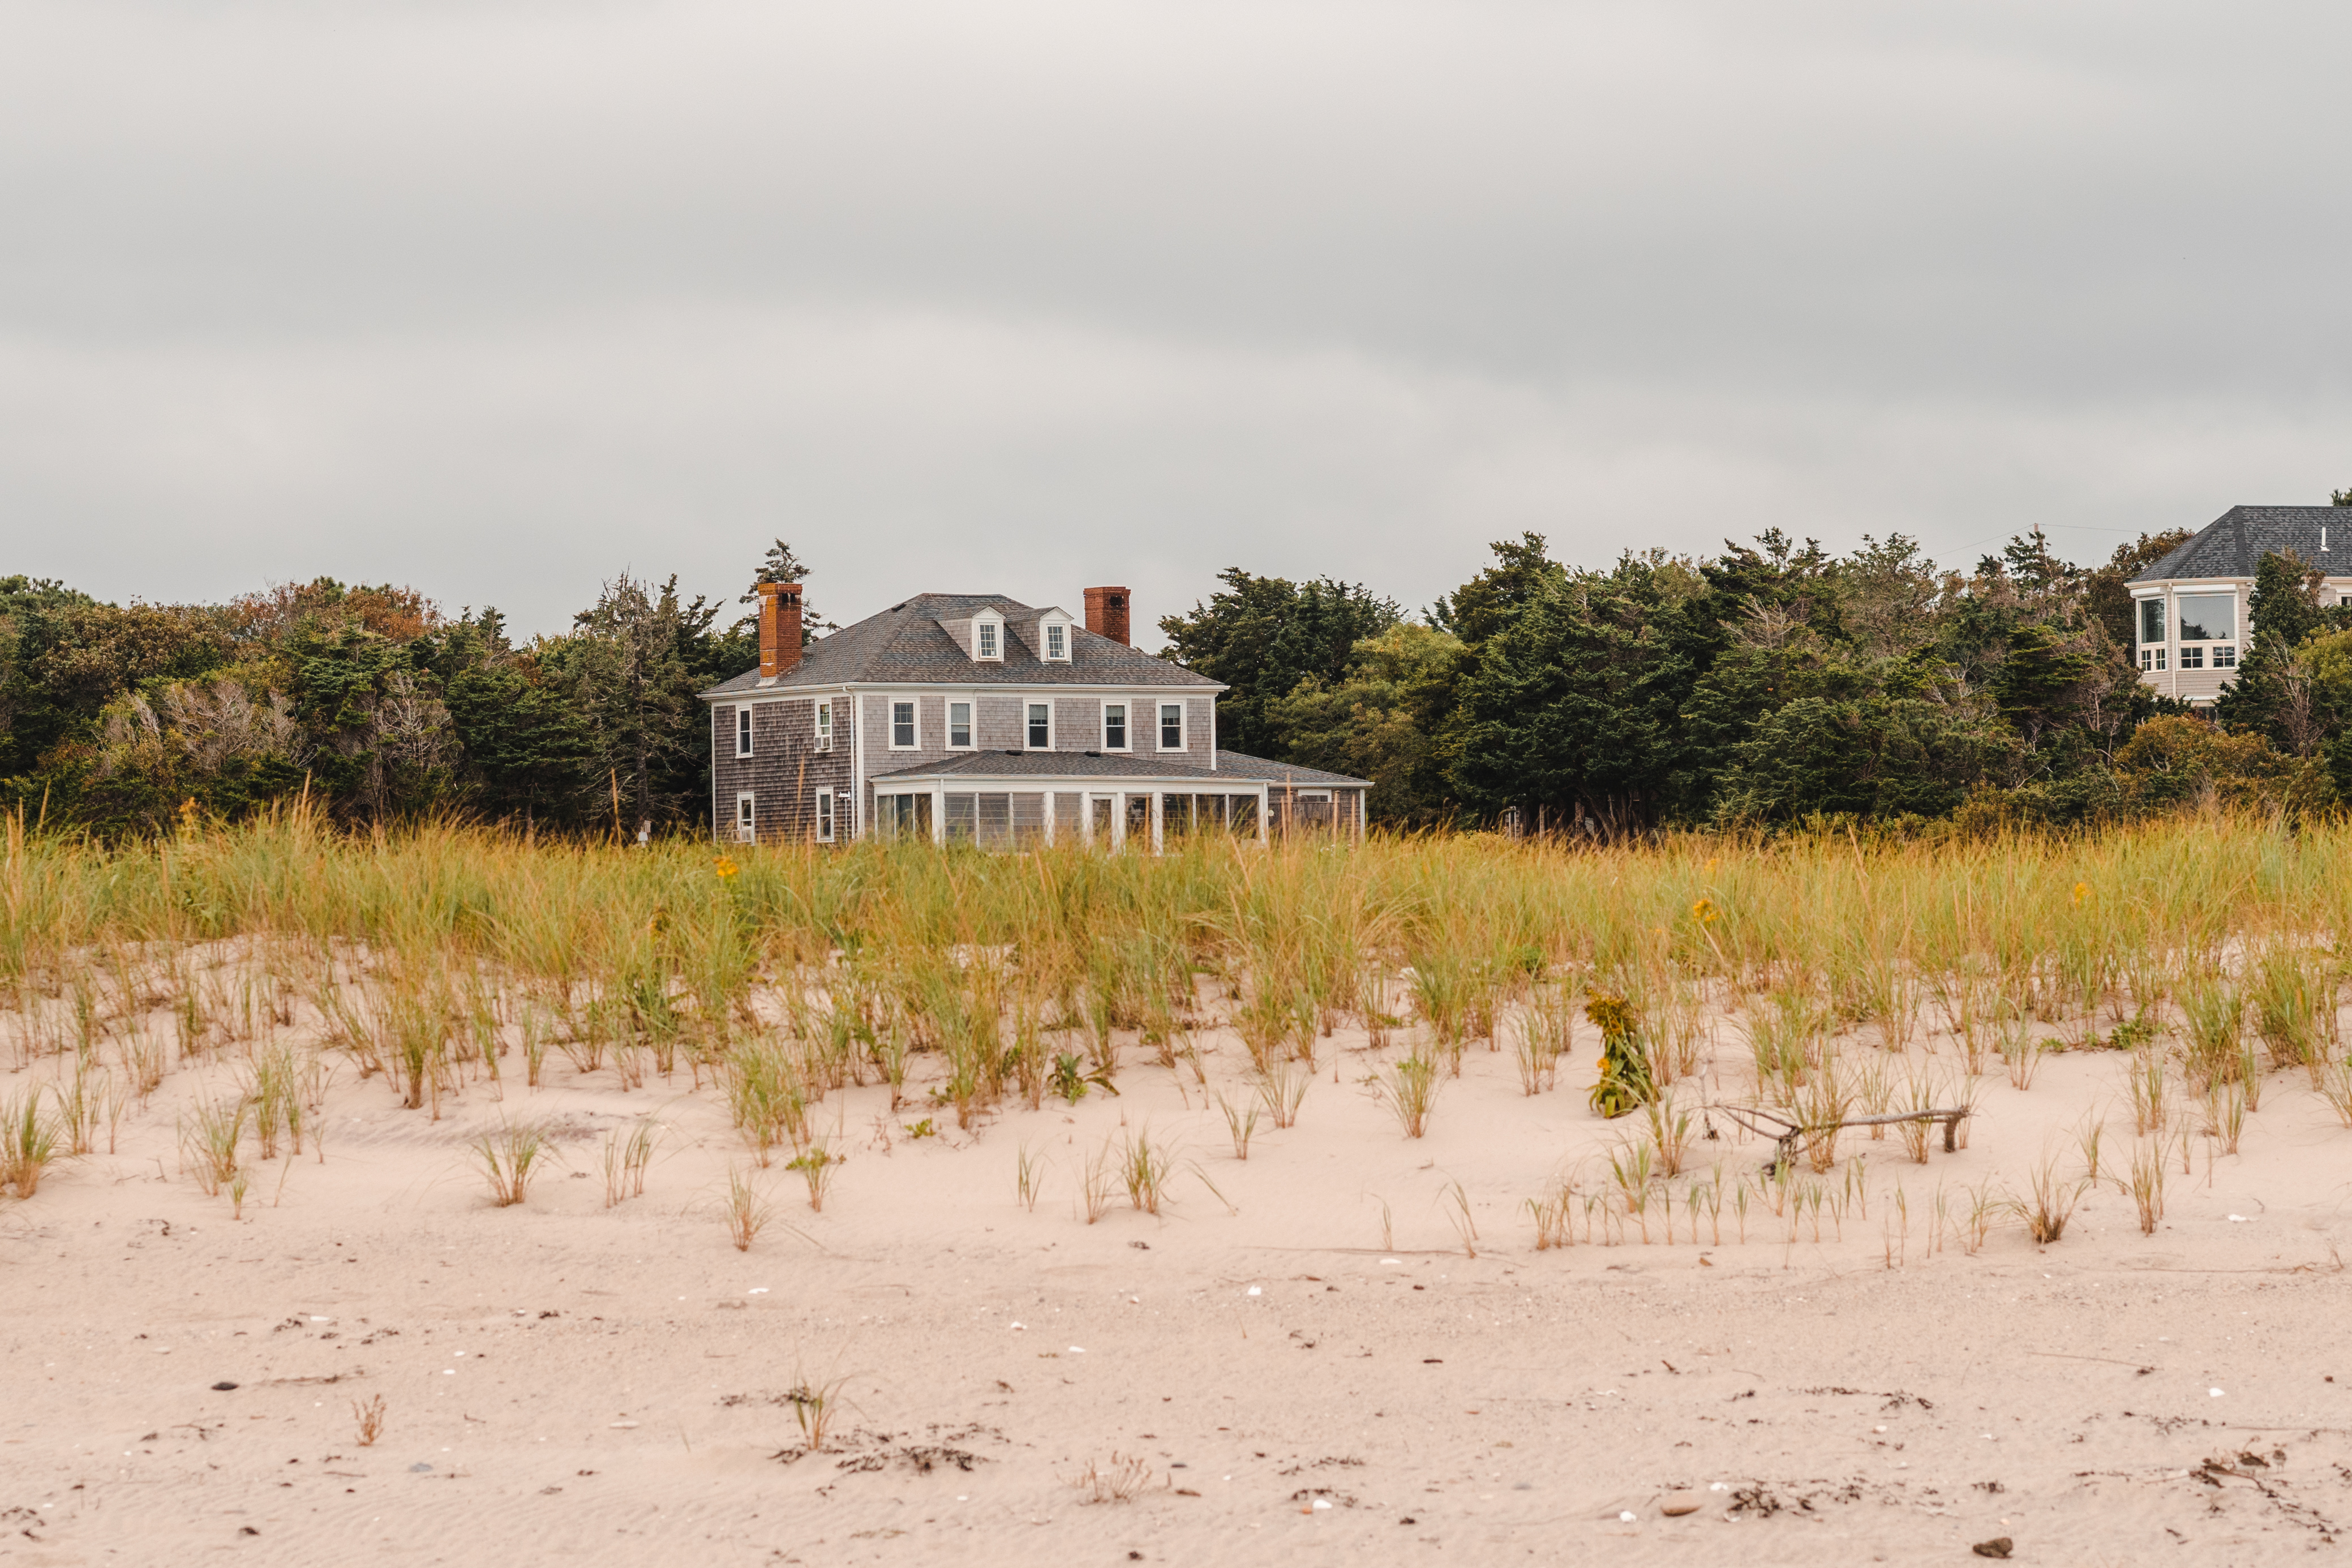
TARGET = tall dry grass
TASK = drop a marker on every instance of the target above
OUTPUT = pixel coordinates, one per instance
(439, 960)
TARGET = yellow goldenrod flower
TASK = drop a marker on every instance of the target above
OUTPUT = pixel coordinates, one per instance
(1704, 911)
(2082, 892)
(726, 868)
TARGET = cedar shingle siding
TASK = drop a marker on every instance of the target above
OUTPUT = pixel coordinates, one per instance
(784, 771)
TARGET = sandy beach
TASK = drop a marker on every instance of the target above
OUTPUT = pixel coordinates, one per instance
(1305, 1354)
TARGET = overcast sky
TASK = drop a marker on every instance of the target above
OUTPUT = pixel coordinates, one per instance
(500, 300)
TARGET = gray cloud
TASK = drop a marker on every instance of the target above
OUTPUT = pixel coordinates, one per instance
(501, 299)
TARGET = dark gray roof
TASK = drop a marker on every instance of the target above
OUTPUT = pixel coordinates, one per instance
(906, 645)
(1232, 768)
(1239, 764)
(2234, 543)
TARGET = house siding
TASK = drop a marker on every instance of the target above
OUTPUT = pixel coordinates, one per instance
(1000, 721)
(784, 771)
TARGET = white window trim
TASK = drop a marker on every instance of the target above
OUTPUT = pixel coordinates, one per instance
(1045, 630)
(825, 816)
(891, 734)
(1102, 725)
(1183, 725)
(988, 618)
(947, 724)
(1026, 703)
(747, 819)
(820, 723)
(743, 730)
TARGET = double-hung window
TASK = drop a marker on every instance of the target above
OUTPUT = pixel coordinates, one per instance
(1172, 727)
(902, 725)
(959, 726)
(743, 731)
(1057, 641)
(1114, 727)
(824, 725)
(989, 631)
(1041, 726)
(745, 829)
(825, 816)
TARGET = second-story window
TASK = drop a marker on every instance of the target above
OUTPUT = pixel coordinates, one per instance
(1114, 727)
(743, 732)
(1041, 726)
(824, 726)
(2151, 619)
(902, 725)
(2208, 617)
(1172, 727)
(959, 726)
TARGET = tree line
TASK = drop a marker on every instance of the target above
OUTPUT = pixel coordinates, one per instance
(1773, 683)
(368, 700)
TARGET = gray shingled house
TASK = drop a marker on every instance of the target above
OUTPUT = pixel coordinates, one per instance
(2191, 607)
(973, 717)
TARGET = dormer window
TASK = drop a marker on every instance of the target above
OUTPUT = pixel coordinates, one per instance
(988, 637)
(1057, 641)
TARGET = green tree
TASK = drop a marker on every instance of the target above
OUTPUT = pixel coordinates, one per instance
(1571, 708)
(1263, 635)
(632, 669)
(1380, 722)
(2272, 695)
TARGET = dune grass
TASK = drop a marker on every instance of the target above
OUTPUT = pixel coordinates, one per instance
(443, 961)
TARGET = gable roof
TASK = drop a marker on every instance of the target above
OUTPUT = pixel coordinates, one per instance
(2233, 544)
(906, 645)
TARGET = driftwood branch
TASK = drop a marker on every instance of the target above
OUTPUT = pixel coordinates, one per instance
(1790, 1136)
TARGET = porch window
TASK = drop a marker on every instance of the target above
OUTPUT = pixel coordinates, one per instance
(903, 816)
(959, 726)
(1041, 726)
(902, 726)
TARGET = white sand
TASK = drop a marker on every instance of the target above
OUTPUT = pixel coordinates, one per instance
(564, 1382)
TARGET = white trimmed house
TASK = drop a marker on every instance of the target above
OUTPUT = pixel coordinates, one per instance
(2190, 609)
(973, 717)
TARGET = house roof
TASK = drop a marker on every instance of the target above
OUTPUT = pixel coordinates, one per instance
(2233, 544)
(906, 645)
(1241, 764)
(1232, 768)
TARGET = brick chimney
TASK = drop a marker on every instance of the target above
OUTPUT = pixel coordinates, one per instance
(1107, 612)
(780, 628)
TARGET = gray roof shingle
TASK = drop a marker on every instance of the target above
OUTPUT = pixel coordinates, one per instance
(906, 645)
(2233, 544)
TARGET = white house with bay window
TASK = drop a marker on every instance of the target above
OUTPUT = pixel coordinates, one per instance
(975, 718)
(2189, 609)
